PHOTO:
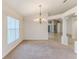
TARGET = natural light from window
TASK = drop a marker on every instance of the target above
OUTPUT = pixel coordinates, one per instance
(13, 29)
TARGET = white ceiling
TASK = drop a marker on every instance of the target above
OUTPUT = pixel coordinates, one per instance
(52, 7)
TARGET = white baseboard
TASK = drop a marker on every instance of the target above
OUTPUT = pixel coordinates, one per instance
(6, 53)
(17, 43)
(35, 39)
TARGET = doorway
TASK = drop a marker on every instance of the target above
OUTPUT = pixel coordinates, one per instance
(54, 30)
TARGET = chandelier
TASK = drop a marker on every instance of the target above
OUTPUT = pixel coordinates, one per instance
(40, 19)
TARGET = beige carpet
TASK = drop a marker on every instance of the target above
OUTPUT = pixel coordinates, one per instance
(41, 50)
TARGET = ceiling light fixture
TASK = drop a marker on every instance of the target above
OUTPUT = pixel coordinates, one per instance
(65, 1)
(40, 19)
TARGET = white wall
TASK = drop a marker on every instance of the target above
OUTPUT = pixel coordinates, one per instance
(34, 30)
(6, 48)
(69, 26)
(72, 27)
(59, 27)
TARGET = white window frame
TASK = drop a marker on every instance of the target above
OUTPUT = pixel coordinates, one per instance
(15, 37)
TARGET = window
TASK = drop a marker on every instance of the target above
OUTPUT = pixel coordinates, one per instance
(13, 29)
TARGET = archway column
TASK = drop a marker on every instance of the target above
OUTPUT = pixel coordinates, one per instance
(64, 38)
